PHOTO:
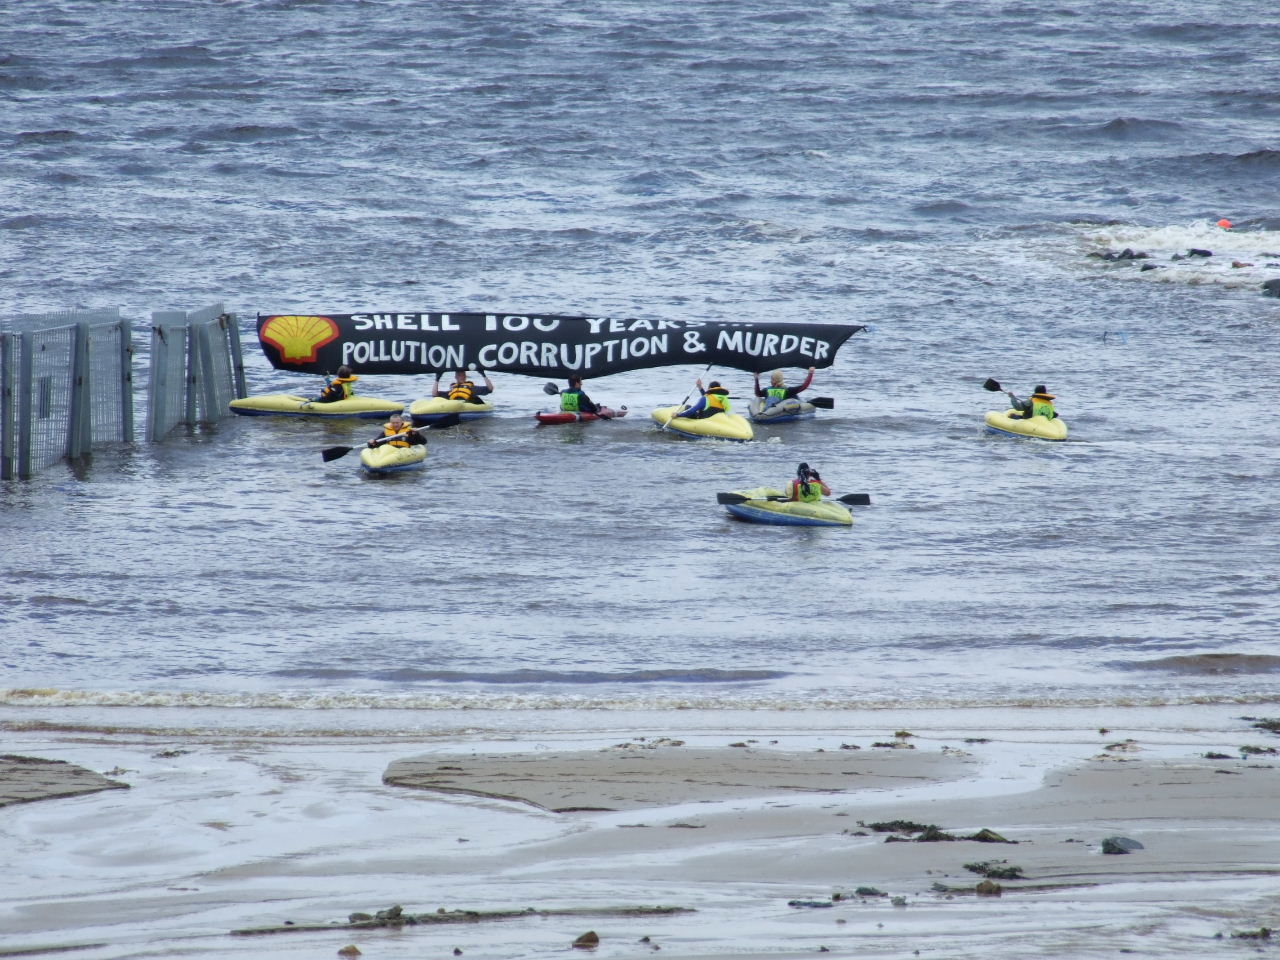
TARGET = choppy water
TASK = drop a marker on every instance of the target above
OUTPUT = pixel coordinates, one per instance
(948, 173)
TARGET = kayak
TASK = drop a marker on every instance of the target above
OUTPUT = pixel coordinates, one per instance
(386, 458)
(1034, 428)
(720, 426)
(784, 411)
(289, 405)
(788, 513)
(433, 408)
(566, 416)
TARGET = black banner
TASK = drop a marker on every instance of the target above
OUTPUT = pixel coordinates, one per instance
(542, 346)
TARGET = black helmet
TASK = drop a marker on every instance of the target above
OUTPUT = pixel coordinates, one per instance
(802, 471)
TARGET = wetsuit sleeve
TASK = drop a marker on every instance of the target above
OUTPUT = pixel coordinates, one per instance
(697, 408)
(585, 405)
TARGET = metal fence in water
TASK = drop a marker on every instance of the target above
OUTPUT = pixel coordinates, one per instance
(67, 381)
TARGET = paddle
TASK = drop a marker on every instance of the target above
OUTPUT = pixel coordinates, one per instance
(666, 423)
(551, 390)
(333, 453)
(853, 499)
(993, 386)
(822, 403)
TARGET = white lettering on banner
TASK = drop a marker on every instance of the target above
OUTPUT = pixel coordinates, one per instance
(515, 324)
(771, 344)
(693, 342)
(571, 356)
(403, 321)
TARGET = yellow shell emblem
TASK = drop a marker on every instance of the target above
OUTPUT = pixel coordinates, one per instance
(298, 337)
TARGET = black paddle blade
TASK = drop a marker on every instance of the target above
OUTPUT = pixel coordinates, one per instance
(823, 403)
(856, 499)
(993, 386)
(333, 453)
(550, 389)
(731, 498)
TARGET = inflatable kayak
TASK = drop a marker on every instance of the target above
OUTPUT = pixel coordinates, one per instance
(433, 408)
(566, 416)
(386, 458)
(784, 411)
(759, 508)
(720, 426)
(1035, 428)
(286, 404)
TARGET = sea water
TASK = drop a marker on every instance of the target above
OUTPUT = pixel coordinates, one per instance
(953, 175)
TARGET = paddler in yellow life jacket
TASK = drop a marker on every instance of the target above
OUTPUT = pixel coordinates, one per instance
(1040, 405)
(341, 387)
(777, 391)
(714, 399)
(807, 486)
(397, 426)
(464, 388)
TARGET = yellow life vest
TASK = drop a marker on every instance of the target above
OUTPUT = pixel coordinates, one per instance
(796, 489)
(389, 431)
(462, 391)
(718, 399)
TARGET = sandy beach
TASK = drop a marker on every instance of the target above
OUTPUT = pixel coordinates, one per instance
(956, 843)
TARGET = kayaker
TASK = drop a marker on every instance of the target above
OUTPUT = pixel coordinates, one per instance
(1040, 405)
(464, 388)
(777, 391)
(574, 400)
(807, 485)
(714, 399)
(341, 387)
(397, 426)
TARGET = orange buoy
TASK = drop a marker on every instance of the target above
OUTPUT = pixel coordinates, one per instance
(1224, 223)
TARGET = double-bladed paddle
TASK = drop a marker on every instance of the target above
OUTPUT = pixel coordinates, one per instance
(853, 499)
(333, 453)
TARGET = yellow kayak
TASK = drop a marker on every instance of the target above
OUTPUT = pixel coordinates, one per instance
(289, 405)
(759, 507)
(386, 458)
(720, 426)
(433, 408)
(1035, 428)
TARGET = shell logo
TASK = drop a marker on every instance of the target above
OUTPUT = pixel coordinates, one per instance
(298, 338)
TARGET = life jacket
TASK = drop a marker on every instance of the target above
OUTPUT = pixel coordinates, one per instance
(774, 395)
(462, 391)
(348, 385)
(796, 490)
(1043, 408)
(717, 400)
(389, 431)
(570, 401)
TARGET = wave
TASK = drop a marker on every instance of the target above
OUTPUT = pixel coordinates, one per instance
(789, 702)
(417, 675)
(1207, 664)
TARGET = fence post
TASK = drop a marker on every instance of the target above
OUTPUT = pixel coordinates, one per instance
(79, 415)
(126, 380)
(26, 398)
(8, 416)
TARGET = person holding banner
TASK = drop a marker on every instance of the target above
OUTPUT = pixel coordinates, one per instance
(464, 388)
(342, 387)
(777, 391)
(714, 399)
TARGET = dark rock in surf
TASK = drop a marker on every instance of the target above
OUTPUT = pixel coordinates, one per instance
(1120, 845)
(1271, 288)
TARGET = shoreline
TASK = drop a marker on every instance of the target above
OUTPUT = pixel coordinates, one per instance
(816, 839)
